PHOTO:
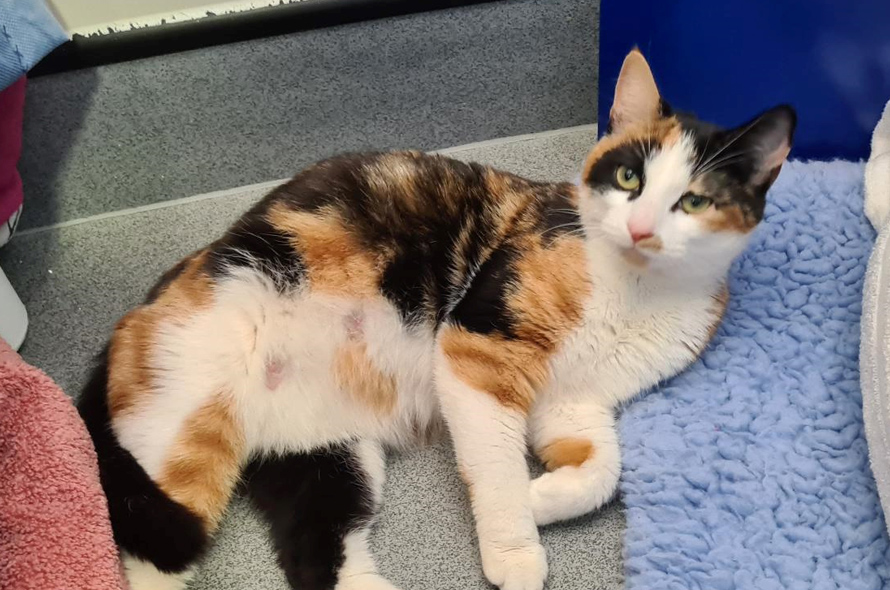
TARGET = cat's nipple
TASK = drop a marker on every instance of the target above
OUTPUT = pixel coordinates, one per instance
(274, 373)
(354, 324)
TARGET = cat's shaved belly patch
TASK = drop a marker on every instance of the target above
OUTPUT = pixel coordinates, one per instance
(275, 372)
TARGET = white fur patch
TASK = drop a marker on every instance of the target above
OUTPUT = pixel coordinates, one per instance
(358, 571)
(142, 575)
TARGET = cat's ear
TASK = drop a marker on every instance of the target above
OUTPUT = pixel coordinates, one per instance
(637, 99)
(767, 138)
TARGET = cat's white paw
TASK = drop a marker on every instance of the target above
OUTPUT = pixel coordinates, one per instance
(368, 581)
(515, 567)
(142, 575)
(569, 493)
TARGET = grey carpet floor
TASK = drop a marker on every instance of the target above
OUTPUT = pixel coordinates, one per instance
(78, 278)
(144, 131)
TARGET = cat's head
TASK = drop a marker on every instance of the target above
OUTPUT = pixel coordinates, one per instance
(672, 192)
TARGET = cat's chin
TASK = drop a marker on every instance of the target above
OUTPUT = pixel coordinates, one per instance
(635, 258)
(651, 264)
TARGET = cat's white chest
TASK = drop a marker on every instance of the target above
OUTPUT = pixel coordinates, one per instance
(632, 337)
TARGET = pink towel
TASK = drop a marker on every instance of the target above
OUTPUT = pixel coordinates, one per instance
(54, 528)
(12, 103)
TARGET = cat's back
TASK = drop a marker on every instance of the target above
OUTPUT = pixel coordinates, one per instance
(407, 226)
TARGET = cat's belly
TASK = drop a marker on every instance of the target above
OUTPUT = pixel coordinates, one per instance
(298, 372)
(330, 369)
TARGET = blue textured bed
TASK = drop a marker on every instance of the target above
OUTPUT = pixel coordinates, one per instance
(750, 470)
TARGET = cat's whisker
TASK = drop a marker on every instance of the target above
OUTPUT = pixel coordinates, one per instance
(701, 156)
(730, 142)
(571, 235)
(575, 224)
(725, 160)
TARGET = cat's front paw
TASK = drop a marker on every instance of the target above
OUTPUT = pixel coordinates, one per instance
(515, 567)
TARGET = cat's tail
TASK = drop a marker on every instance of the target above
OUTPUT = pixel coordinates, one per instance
(148, 525)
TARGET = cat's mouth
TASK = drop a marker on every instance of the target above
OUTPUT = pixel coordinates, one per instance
(640, 253)
(650, 244)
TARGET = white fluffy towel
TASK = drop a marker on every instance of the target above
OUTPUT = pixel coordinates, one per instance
(874, 350)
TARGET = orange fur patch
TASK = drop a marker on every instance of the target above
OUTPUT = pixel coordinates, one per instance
(129, 360)
(551, 286)
(357, 375)
(672, 136)
(205, 462)
(510, 370)
(510, 197)
(335, 261)
(130, 369)
(566, 452)
(730, 218)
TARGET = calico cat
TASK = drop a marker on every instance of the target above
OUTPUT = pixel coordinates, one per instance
(354, 306)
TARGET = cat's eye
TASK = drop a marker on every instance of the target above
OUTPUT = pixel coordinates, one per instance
(694, 203)
(627, 178)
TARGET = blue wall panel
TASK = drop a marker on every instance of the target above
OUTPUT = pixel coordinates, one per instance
(728, 60)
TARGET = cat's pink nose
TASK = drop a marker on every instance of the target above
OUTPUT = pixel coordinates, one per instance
(638, 234)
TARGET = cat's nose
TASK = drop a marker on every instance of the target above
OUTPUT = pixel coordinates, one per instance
(639, 234)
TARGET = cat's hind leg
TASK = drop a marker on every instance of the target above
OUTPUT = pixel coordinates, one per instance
(578, 444)
(319, 506)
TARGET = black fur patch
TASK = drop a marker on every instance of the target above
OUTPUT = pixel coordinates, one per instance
(253, 242)
(633, 155)
(707, 138)
(483, 308)
(419, 281)
(727, 161)
(310, 501)
(146, 522)
(558, 216)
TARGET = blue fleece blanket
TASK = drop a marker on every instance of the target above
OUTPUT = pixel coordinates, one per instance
(28, 32)
(750, 470)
